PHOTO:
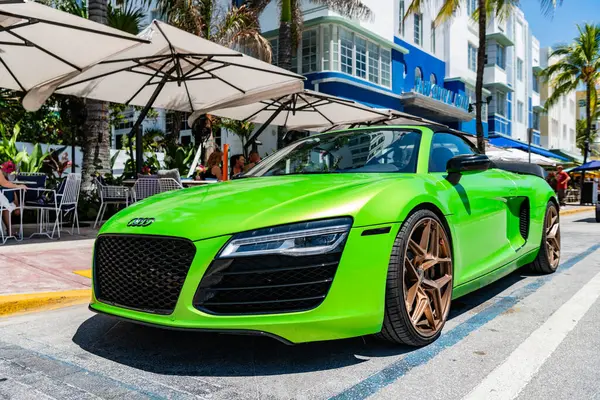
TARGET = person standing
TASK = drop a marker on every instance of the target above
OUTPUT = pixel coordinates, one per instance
(562, 179)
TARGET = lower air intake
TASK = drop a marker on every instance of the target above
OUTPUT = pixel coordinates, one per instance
(266, 284)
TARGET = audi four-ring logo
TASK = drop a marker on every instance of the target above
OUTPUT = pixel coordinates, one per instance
(140, 222)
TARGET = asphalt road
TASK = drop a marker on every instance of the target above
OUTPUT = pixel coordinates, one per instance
(525, 337)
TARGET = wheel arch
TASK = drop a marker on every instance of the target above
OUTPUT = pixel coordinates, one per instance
(438, 212)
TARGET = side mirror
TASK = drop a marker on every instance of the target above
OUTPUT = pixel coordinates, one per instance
(469, 162)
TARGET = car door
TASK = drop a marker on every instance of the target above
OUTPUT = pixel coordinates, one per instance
(479, 206)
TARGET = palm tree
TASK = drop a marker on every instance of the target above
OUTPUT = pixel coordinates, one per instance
(578, 63)
(500, 8)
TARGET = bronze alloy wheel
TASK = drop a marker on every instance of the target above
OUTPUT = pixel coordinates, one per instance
(552, 237)
(428, 276)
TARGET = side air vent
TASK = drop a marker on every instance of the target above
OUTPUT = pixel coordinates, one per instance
(524, 219)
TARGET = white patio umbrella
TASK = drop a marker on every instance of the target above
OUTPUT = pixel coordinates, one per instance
(39, 44)
(303, 110)
(182, 72)
(509, 154)
(392, 117)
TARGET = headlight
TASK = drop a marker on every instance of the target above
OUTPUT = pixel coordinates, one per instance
(301, 239)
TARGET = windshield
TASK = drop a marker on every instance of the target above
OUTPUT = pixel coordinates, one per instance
(371, 151)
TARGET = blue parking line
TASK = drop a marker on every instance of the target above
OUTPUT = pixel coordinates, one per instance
(398, 369)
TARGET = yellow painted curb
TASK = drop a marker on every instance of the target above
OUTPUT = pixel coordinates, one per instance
(86, 273)
(29, 302)
(576, 210)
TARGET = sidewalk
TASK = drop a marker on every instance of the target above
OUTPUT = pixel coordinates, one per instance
(44, 274)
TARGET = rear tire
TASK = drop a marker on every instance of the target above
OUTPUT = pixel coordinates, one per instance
(419, 282)
(597, 212)
(548, 257)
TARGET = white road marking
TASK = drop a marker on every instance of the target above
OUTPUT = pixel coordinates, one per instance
(509, 378)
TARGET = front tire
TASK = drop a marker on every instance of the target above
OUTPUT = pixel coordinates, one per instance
(597, 212)
(548, 257)
(419, 282)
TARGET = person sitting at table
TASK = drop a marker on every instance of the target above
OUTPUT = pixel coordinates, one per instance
(237, 164)
(253, 159)
(213, 166)
(5, 202)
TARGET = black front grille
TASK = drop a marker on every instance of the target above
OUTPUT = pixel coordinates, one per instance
(266, 284)
(143, 273)
(524, 219)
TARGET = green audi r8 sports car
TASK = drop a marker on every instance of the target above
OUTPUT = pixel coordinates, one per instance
(363, 231)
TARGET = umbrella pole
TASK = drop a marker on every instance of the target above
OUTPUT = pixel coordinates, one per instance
(265, 125)
(139, 149)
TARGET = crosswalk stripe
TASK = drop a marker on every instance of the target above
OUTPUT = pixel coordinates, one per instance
(509, 378)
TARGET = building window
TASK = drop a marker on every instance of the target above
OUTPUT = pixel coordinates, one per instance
(404, 69)
(501, 103)
(119, 142)
(274, 49)
(386, 67)
(520, 111)
(564, 101)
(418, 29)
(326, 46)
(536, 83)
(418, 75)
(536, 120)
(361, 57)
(471, 7)
(309, 51)
(472, 58)
(433, 79)
(519, 69)
(401, 18)
(433, 38)
(346, 47)
(564, 132)
(336, 48)
(500, 56)
(572, 106)
(373, 63)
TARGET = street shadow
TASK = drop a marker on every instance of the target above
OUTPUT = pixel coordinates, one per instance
(172, 352)
(588, 220)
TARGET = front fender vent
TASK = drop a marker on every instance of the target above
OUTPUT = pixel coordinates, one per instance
(524, 219)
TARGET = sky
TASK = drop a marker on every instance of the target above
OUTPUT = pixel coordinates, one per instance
(560, 28)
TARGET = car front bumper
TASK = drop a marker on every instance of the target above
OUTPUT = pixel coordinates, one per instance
(354, 305)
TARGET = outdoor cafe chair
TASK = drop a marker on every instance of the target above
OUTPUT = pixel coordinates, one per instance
(6, 206)
(110, 194)
(168, 184)
(145, 187)
(38, 180)
(62, 201)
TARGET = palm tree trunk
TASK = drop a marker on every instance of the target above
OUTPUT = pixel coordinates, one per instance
(96, 145)
(284, 50)
(479, 81)
(588, 131)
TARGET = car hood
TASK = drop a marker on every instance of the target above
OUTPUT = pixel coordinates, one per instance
(245, 204)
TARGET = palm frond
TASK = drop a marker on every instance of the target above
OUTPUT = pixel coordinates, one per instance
(240, 28)
(447, 11)
(355, 9)
(414, 7)
(126, 17)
